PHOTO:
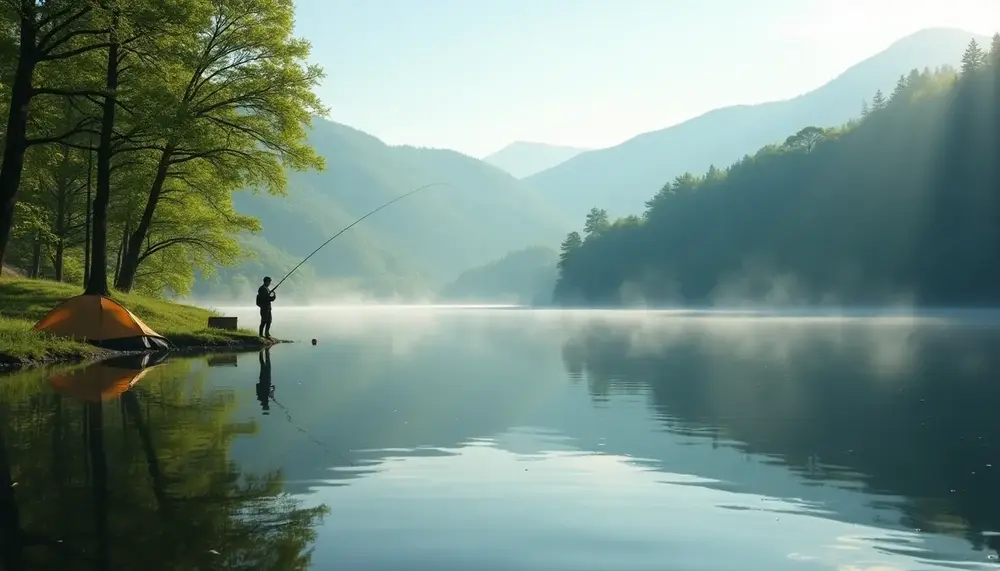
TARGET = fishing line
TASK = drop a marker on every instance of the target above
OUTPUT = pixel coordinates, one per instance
(351, 225)
(288, 415)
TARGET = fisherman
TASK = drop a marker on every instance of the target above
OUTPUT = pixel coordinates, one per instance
(264, 298)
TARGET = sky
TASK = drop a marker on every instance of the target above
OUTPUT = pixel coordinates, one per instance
(475, 75)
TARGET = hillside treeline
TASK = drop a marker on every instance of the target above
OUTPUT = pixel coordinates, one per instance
(130, 123)
(901, 205)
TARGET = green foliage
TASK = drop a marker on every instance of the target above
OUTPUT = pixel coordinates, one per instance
(158, 464)
(597, 222)
(900, 206)
(213, 97)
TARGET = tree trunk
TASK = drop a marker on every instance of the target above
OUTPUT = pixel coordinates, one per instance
(11, 534)
(16, 142)
(122, 245)
(86, 228)
(62, 224)
(130, 261)
(99, 479)
(58, 264)
(97, 284)
(36, 256)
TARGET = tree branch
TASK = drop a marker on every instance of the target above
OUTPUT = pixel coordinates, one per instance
(74, 53)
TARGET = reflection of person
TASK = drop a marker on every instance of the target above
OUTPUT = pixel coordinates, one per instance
(264, 298)
(265, 390)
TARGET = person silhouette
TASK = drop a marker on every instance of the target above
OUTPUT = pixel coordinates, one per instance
(265, 390)
(265, 297)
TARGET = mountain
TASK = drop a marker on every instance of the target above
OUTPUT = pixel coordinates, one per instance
(409, 247)
(621, 178)
(523, 277)
(524, 158)
(899, 208)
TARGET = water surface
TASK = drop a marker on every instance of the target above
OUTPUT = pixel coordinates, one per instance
(479, 438)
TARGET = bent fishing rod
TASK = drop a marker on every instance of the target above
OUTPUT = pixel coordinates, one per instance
(352, 224)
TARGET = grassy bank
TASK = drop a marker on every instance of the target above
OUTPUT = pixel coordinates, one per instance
(24, 301)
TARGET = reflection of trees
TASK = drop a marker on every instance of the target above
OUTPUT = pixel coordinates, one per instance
(144, 482)
(910, 409)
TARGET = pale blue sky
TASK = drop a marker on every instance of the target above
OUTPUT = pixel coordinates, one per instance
(474, 75)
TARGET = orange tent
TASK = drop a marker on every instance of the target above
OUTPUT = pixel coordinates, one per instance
(104, 380)
(102, 321)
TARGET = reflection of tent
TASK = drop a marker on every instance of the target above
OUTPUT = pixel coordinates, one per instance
(101, 321)
(106, 379)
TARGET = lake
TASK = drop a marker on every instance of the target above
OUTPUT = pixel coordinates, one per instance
(499, 439)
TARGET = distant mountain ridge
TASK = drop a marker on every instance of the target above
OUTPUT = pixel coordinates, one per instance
(410, 248)
(623, 177)
(427, 240)
(525, 158)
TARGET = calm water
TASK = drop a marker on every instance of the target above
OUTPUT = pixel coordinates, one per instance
(476, 439)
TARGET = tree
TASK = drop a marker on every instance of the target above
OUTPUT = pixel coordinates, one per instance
(878, 101)
(901, 86)
(865, 109)
(806, 139)
(973, 58)
(241, 110)
(773, 229)
(597, 222)
(570, 245)
(98, 282)
(47, 31)
(994, 55)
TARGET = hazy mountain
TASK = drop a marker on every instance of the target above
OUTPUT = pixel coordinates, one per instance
(524, 158)
(524, 277)
(623, 177)
(422, 241)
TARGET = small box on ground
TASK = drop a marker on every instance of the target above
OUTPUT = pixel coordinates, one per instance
(227, 323)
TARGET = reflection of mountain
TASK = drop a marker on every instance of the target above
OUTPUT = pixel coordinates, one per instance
(757, 412)
(908, 410)
(141, 483)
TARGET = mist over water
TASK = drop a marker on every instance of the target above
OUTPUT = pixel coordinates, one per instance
(496, 438)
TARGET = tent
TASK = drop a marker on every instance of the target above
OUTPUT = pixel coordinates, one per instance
(106, 379)
(101, 321)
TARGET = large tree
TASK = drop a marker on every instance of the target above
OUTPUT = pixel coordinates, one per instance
(40, 31)
(237, 111)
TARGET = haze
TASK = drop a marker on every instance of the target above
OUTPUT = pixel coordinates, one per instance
(474, 76)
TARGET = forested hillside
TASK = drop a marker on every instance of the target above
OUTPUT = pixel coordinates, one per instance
(524, 277)
(416, 244)
(621, 178)
(902, 205)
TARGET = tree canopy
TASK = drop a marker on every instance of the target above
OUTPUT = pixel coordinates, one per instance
(898, 206)
(131, 123)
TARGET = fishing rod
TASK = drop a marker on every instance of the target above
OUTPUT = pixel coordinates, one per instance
(351, 225)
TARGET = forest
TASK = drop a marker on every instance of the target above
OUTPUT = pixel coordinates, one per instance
(131, 124)
(900, 206)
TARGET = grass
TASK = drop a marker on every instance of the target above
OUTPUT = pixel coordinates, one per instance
(24, 301)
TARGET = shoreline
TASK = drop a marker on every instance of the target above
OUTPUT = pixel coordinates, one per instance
(10, 364)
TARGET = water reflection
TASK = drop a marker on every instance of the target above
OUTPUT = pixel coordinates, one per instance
(265, 390)
(905, 409)
(104, 380)
(142, 482)
(525, 440)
